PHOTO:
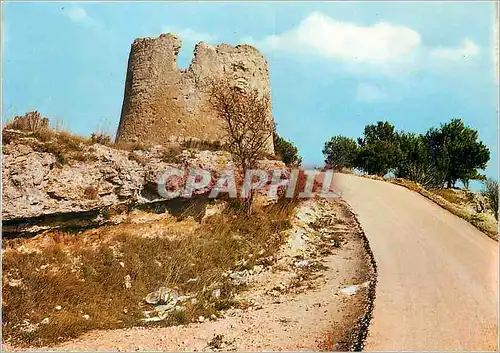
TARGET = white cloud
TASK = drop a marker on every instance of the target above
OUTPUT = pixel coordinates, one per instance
(346, 41)
(368, 92)
(189, 35)
(79, 15)
(382, 48)
(76, 14)
(467, 50)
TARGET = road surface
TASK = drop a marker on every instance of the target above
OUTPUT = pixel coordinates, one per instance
(437, 274)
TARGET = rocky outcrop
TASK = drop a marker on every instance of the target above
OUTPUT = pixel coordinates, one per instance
(36, 184)
(161, 100)
(33, 183)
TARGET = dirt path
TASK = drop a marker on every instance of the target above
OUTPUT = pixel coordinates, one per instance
(306, 301)
(437, 274)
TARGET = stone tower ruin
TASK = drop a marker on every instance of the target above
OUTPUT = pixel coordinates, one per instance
(162, 102)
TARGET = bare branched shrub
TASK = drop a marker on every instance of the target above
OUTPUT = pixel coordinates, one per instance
(246, 113)
(31, 122)
(249, 127)
(423, 174)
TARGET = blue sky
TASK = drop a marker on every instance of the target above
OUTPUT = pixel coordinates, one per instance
(335, 67)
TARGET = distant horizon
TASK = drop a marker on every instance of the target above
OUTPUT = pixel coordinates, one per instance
(69, 60)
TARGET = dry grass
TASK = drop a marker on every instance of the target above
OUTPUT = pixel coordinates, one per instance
(449, 195)
(84, 274)
(171, 155)
(101, 138)
(30, 122)
(204, 145)
(133, 146)
(142, 160)
(64, 145)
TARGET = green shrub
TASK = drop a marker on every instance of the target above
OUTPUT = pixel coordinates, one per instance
(287, 151)
(340, 152)
(491, 192)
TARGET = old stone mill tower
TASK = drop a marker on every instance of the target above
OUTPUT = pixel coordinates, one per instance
(162, 102)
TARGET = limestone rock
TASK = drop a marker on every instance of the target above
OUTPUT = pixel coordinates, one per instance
(35, 184)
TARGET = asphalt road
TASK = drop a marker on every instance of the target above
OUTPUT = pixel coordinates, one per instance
(437, 274)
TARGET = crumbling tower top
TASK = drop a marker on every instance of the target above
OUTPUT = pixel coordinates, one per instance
(162, 101)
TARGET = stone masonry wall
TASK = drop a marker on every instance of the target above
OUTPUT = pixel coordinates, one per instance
(162, 102)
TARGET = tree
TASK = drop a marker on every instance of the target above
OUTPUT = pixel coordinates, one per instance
(414, 162)
(340, 152)
(382, 131)
(456, 152)
(472, 175)
(246, 113)
(248, 123)
(379, 149)
(491, 192)
(287, 151)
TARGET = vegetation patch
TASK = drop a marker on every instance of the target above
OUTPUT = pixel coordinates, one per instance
(286, 151)
(204, 145)
(35, 131)
(442, 156)
(171, 155)
(58, 285)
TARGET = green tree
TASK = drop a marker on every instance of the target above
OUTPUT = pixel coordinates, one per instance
(414, 162)
(456, 153)
(287, 151)
(382, 131)
(379, 149)
(491, 192)
(472, 175)
(340, 152)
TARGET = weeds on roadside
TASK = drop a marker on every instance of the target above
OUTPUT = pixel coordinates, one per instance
(491, 192)
(449, 195)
